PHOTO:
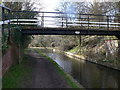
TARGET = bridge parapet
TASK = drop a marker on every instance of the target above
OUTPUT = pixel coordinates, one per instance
(60, 20)
(71, 20)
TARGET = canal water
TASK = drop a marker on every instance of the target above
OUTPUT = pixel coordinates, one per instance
(87, 74)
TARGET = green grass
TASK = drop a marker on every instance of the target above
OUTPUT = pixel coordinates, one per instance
(78, 50)
(74, 50)
(67, 77)
(15, 75)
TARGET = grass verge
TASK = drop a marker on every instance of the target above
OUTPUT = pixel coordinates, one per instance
(67, 77)
(16, 73)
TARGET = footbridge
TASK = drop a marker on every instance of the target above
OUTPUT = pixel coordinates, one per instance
(60, 23)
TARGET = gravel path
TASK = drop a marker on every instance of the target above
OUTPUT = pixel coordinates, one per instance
(44, 74)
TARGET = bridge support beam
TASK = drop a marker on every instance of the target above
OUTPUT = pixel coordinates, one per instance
(67, 31)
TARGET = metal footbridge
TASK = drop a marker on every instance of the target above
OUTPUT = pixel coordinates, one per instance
(60, 23)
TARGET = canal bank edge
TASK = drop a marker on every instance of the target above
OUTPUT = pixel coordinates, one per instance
(72, 82)
(71, 55)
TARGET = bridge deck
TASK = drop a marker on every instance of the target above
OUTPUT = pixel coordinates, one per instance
(68, 31)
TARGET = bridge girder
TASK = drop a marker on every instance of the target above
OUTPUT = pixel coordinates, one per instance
(68, 31)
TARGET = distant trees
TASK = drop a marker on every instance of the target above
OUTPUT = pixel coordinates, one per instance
(42, 41)
(19, 6)
(63, 42)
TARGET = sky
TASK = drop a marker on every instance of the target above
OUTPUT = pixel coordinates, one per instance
(50, 5)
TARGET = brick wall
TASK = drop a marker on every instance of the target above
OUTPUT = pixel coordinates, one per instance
(11, 57)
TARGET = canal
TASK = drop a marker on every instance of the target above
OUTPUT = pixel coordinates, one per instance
(87, 74)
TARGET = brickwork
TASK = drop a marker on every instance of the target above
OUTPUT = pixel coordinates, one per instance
(11, 57)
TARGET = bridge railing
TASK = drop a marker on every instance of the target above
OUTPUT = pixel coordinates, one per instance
(5, 23)
(66, 20)
(60, 20)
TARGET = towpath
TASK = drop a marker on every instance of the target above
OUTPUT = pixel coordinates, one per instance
(44, 74)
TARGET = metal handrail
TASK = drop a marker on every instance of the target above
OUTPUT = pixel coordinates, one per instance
(65, 13)
(65, 19)
(5, 7)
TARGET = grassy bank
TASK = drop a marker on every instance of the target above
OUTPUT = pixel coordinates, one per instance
(110, 63)
(67, 77)
(14, 77)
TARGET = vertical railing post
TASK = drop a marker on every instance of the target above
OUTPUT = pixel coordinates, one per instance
(42, 18)
(3, 18)
(9, 22)
(80, 19)
(17, 17)
(99, 23)
(88, 21)
(66, 22)
(108, 22)
(62, 22)
(118, 17)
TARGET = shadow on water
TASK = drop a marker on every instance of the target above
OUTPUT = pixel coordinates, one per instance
(88, 74)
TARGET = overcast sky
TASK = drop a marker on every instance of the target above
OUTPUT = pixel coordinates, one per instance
(50, 5)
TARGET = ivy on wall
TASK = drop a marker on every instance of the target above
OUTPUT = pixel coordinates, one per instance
(16, 36)
(20, 39)
(4, 39)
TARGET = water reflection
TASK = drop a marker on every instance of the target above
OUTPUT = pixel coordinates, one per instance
(88, 74)
(66, 65)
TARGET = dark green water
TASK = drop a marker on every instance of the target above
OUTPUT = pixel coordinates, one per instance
(87, 74)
